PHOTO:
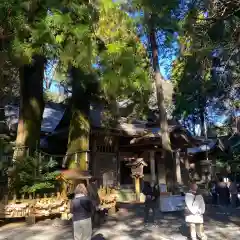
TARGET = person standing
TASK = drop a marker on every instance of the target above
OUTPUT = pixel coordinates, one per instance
(195, 208)
(81, 209)
(152, 193)
(93, 194)
(213, 191)
(223, 195)
(233, 193)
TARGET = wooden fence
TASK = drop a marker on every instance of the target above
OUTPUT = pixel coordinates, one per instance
(49, 204)
(7, 162)
(26, 206)
(46, 204)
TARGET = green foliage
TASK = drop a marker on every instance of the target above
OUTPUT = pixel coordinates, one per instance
(233, 164)
(192, 86)
(111, 55)
(161, 13)
(198, 86)
(156, 18)
(35, 174)
(50, 28)
(80, 34)
(124, 66)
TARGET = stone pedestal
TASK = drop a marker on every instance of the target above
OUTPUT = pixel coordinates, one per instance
(30, 220)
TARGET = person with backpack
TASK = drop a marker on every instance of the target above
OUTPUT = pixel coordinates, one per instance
(152, 193)
(81, 209)
(195, 208)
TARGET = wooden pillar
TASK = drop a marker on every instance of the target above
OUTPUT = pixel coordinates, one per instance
(185, 168)
(161, 170)
(118, 168)
(137, 188)
(186, 160)
(178, 167)
(93, 158)
(161, 173)
(152, 165)
(76, 159)
(116, 151)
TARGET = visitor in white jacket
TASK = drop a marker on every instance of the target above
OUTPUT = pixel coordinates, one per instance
(195, 208)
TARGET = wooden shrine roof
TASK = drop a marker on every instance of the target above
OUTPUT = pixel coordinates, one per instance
(180, 138)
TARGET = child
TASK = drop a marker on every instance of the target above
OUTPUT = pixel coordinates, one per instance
(195, 208)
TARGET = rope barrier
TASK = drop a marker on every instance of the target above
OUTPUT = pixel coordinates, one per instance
(67, 154)
(41, 153)
(52, 155)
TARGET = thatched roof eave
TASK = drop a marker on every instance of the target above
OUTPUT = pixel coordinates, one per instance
(176, 131)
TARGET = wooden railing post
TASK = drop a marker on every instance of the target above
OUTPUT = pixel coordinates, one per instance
(75, 158)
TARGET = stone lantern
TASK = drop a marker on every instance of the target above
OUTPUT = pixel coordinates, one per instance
(137, 173)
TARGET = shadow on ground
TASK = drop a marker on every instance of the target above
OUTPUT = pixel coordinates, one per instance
(98, 237)
(128, 224)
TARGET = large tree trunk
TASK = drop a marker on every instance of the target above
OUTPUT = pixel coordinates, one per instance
(31, 107)
(165, 139)
(78, 139)
(194, 126)
(202, 122)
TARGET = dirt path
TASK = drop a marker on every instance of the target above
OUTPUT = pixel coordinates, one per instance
(128, 225)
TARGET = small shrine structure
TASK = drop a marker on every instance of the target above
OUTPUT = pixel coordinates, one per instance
(137, 173)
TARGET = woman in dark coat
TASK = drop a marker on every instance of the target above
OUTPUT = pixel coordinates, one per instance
(233, 193)
(81, 209)
(223, 193)
(214, 194)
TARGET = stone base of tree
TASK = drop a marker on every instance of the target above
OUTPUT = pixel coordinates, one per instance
(30, 220)
(112, 210)
(65, 216)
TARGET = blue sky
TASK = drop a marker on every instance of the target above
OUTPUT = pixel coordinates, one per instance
(166, 57)
(49, 73)
(166, 54)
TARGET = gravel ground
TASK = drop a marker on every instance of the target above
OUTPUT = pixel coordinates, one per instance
(128, 224)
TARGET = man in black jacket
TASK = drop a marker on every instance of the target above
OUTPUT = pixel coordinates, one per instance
(152, 193)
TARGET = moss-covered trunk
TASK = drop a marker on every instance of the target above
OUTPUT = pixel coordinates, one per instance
(165, 138)
(78, 139)
(31, 107)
